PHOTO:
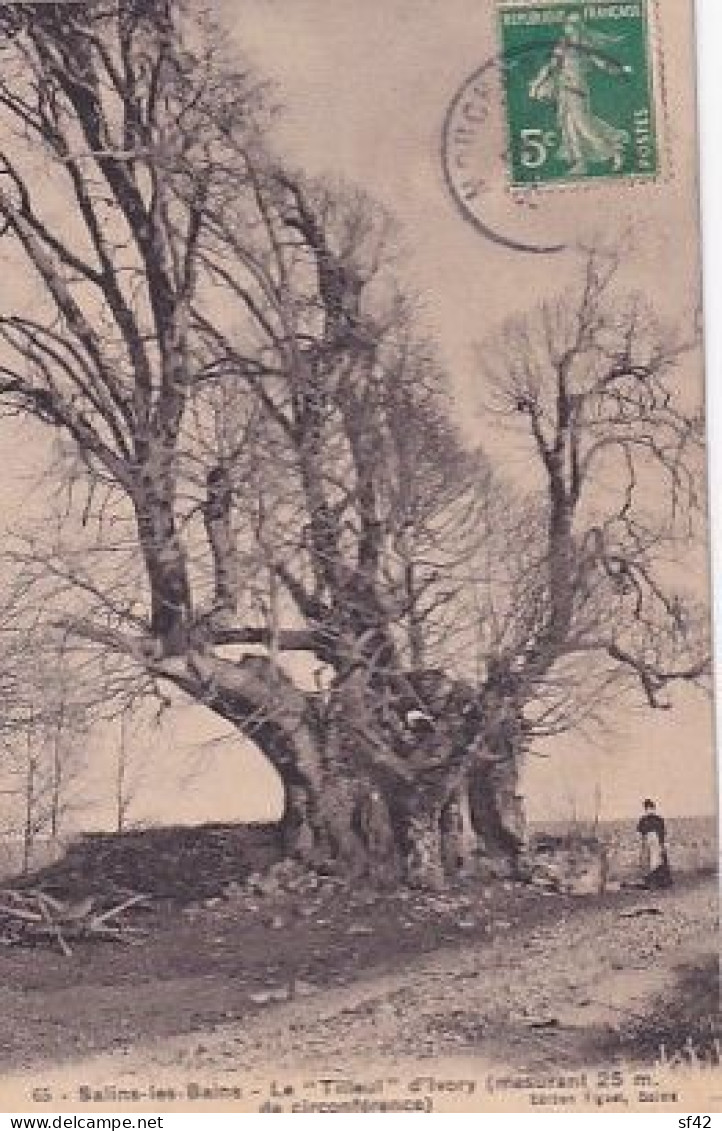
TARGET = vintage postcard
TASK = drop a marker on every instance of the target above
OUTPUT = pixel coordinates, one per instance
(356, 742)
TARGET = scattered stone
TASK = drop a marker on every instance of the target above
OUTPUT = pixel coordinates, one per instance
(541, 881)
(233, 892)
(360, 929)
(274, 994)
(634, 912)
(301, 988)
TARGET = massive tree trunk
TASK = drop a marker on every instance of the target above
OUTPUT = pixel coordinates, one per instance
(344, 829)
(416, 818)
(352, 807)
(497, 816)
(424, 833)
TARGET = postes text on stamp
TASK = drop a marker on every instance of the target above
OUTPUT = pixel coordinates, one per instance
(578, 86)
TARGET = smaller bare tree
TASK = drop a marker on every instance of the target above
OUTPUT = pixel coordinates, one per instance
(606, 403)
(128, 777)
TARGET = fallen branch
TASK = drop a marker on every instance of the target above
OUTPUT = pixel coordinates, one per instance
(31, 914)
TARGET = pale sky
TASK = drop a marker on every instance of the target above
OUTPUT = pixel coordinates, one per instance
(365, 87)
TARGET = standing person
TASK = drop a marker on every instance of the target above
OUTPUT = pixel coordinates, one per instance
(653, 831)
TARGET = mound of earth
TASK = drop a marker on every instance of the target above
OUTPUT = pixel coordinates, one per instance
(177, 863)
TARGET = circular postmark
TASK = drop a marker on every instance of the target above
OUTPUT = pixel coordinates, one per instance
(473, 153)
(567, 107)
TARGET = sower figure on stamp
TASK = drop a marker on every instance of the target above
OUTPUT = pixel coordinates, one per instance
(655, 863)
(586, 138)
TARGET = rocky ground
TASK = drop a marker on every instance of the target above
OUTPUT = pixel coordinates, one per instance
(242, 964)
(596, 975)
(557, 980)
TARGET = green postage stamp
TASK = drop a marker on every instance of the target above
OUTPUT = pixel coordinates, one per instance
(579, 94)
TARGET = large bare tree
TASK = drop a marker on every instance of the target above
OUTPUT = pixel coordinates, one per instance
(606, 403)
(235, 381)
(259, 453)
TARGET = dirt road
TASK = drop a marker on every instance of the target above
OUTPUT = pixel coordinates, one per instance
(593, 985)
